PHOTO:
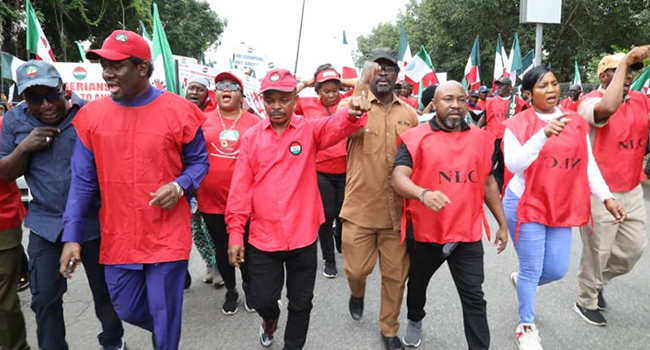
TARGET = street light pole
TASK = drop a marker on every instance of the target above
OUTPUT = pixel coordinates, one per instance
(538, 44)
(295, 69)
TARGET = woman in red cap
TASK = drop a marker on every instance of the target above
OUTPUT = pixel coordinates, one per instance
(223, 129)
(330, 162)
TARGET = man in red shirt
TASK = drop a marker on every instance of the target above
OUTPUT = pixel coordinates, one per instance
(497, 110)
(405, 95)
(571, 101)
(274, 184)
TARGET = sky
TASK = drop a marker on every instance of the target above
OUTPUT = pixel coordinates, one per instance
(271, 28)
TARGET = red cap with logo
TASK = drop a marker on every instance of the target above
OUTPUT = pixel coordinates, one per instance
(278, 79)
(327, 74)
(120, 45)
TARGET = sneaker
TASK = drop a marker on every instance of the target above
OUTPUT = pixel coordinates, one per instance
(593, 317)
(413, 336)
(356, 307)
(602, 305)
(330, 269)
(528, 338)
(217, 280)
(392, 343)
(208, 275)
(230, 305)
(23, 282)
(513, 279)
(122, 346)
(248, 304)
(267, 329)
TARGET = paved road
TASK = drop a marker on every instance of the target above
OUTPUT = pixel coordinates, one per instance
(205, 327)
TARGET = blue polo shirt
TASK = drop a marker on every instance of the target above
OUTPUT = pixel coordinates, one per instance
(48, 174)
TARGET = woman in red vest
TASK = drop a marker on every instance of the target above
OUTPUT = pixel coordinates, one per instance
(548, 151)
(223, 128)
(330, 162)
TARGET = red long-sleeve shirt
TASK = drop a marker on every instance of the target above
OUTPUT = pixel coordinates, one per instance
(274, 182)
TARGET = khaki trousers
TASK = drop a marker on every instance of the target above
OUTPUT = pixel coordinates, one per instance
(611, 250)
(12, 324)
(361, 246)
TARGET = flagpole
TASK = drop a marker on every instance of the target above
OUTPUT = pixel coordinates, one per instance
(302, 16)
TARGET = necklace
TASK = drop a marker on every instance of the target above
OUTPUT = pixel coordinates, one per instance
(228, 137)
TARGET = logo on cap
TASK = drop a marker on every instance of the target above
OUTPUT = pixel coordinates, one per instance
(31, 71)
(295, 148)
(80, 73)
(275, 77)
(121, 38)
(329, 74)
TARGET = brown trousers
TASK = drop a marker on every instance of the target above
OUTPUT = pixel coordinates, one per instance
(611, 250)
(361, 246)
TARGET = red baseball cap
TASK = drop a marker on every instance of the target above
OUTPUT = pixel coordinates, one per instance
(120, 45)
(328, 74)
(229, 75)
(278, 79)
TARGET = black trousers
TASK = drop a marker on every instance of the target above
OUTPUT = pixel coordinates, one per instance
(48, 286)
(217, 228)
(498, 165)
(267, 278)
(332, 192)
(466, 266)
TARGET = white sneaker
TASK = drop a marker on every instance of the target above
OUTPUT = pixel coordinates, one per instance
(513, 279)
(528, 339)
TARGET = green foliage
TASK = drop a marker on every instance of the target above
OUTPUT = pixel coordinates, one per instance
(190, 25)
(589, 29)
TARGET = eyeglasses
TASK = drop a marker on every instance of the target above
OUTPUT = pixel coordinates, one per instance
(232, 86)
(38, 99)
(390, 69)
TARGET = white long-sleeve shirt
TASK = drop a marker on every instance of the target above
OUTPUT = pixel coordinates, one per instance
(518, 158)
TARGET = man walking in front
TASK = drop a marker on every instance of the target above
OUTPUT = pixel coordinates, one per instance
(372, 210)
(141, 149)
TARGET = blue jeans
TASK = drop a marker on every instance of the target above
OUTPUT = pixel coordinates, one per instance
(543, 253)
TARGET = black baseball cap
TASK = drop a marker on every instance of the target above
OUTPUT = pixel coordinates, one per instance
(383, 53)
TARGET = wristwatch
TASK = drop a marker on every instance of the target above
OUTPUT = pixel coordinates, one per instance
(422, 195)
(179, 189)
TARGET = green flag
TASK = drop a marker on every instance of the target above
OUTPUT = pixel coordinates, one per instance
(82, 52)
(576, 78)
(642, 82)
(161, 55)
(516, 63)
(404, 53)
(36, 41)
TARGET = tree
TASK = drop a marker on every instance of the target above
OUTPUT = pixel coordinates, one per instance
(448, 28)
(190, 25)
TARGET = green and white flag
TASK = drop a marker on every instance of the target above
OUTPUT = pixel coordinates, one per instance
(82, 52)
(9, 65)
(36, 41)
(527, 63)
(642, 83)
(164, 73)
(576, 78)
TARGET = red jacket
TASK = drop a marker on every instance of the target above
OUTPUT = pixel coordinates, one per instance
(619, 146)
(137, 150)
(496, 112)
(557, 185)
(458, 168)
(12, 211)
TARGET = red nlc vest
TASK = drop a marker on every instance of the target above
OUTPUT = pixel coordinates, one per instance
(557, 185)
(456, 164)
(137, 150)
(619, 146)
(12, 211)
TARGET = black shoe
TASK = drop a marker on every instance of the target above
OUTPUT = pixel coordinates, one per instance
(267, 331)
(356, 307)
(330, 269)
(593, 317)
(392, 343)
(23, 282)
(230, 305)
(602, 305)
(188, 281)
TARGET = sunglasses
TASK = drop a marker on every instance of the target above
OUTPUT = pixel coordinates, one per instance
(38, 99)
(390, 69)
(232, 86)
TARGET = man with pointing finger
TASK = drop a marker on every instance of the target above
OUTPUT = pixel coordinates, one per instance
(37, 140)
(141, 149)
